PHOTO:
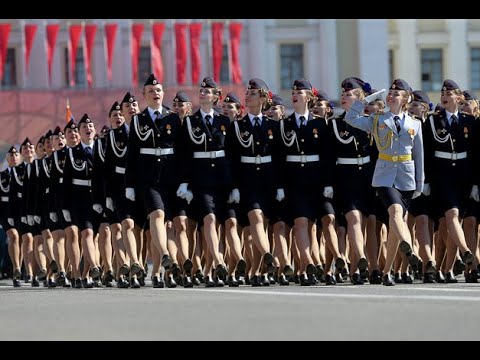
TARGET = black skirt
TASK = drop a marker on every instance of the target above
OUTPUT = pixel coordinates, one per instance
(391, 195)
(309, 202)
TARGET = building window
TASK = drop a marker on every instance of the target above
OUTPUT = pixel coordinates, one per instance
(224, 69)
(475, 68)
(432, 69)
(10, 70)
(291, 64)
(391, 65)
(79, 75)
(144, 63)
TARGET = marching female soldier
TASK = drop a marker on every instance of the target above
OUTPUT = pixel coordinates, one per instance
(398, 174)
(207, 171)
(450, 144)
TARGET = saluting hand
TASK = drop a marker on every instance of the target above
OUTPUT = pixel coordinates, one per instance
(328, 192)
(374, 96)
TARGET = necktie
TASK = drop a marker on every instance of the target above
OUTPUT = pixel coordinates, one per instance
(208, 121)
(397, 123)
(303, 123)
(453, 123)
(157, 115)
(89, 154)
(256, 120)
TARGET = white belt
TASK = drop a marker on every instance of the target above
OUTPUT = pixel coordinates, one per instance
(208, 154)
(119, 170)
(451, 156)
(19, 195)
(303, 158)
(81, 182)
(353, 161)
(60, 180)
(157, 151)
(4, 198)
(256, 159)
(47, 190)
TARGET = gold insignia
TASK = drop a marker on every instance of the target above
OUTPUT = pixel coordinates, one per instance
(168, 126)
(204, 84)
(465, 131)
(222, 128)
(294, 87)
(176, 99)
(382, 127)
(411, 132)
(270, 134)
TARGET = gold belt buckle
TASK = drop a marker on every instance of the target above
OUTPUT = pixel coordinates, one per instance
(395, 158)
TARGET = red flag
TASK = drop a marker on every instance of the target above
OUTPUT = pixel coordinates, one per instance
(75, 32)
(52, 33)
(156, 50)
(69, 115)
(235, 34)
(90, 31)
(30, 31)
(181, 52)
(110, 35)
(4, 34)
(195, 32)
(217, 49)
(137, 31)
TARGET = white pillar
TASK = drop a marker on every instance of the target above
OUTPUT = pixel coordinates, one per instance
(256, 50)
(408, 56)
(457, 55)
(373, 52)
(325, 73)
(38, 75)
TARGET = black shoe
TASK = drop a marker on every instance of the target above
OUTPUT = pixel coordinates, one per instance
(124, 269)
(209, 283)
(241, 280)
(439, 278)
(311, 269)
(469, 278)
(264, 280)
(51, 284)
(320, 271)
(282, 281)
(166, 261)
(450, 278)
(430, 268)
(339, 264)
(339, 278)
(271, 279)
(268, 261)
(199, 276)
(458, 267)
(158, 282)
(407, 279)
(398, 278)
(196, 281)
(304, 281)
(362, 264)
(255, 281)
(135, 269)
(221, 270)
(468, 257)
(357, 279)
(170, 282)
(187, 266)
(16, 283)
(175, 270)
(330, 280)
(375, 277)
(313, 279)
(387, 280)
(187, 282)
(134, 284)
(241, 266)
(406, 248)
(42, 274)
(67, 283)
(87, 283)
(78, 284)
(35, 282)
(123, 283)
(429, 278)
(28, 279)
(95, 272)
(108, 278)
(54, 266)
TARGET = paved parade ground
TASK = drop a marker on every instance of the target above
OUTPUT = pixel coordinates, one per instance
(345, 312)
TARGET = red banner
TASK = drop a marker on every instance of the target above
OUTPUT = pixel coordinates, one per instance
(52, 33)
(217, 49)
(30, 31)
(137, 31)
(75, 32)
(4, 34)
(90, 31)
(196, 62)
(156, 50)
(236, 69)
(110, 35)
(181, 52)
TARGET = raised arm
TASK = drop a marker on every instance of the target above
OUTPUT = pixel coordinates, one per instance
(354, 117)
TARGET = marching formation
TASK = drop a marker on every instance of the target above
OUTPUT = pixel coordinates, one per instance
(241, 193)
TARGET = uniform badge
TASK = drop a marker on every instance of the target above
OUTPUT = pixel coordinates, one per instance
(222, 128)
(270, 134)
(169, 129)
(315, 133)
(465, 131)
(145, 127)
(381, 126)
(78, 161)
(246, 133)
(411, 132)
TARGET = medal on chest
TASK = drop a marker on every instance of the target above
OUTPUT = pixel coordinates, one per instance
(169, 129)
(465, 132)
(270, 134)
(315, 133)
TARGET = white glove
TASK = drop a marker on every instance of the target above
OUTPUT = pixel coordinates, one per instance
(235, 195)
(23, 219)
(37, 219)
(66, 215)
(374, 96)
(30, 220)
(280, 195)
(109, 203)
(98, 208)
(416, 194)
(328, 192)
(11, 222)
(182, 190)
(130, 194)
(426, 189)
(474, 194)
(189, 197)
(53, 217)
